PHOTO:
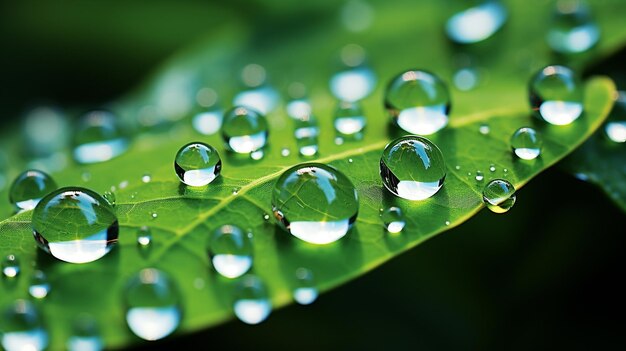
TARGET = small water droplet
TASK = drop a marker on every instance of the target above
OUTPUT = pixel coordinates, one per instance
(499, 195)
(307, 147)
(479, 176)
(257, 155)
(526, 143)
(230, 251)
(85, 335)
(144, 236)
(85, 176)
(477, 23)
(11, 266)
(413, 168)
(252, 304)
(457, 167)
(393, 220)
(338, 141)
(356, 80)
(154, 215)
(465, 79)
(259, 96)
(98, 138)
(71, 233)
(573, 29)
(123, 184)
(305, 292)
(615, 127)
(302, 205)
(266, 216)
(146, 178)
(22, 328)
(244, 130)
(484, 129)
(110, 197)
(299, 108)
(152, 305)
(197, 164)
(418, 102)
(284, 152)
(39, 286)
(29, 188)
(505, 170)
(447, 222)
(492, 168)
(349, 119)
(133, 195)
(235, 191)
(556, 95)
(350, 160)
(208, 122)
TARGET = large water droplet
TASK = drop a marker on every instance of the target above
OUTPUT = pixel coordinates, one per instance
(315, 203)
(305, 292)
(393, 220)
(418, 102)
(476, 23)
(75, 225)
(556, 95)
(615, 127)
(412, 167)
(22, 328)
(10, 266)
(230, 251)
(39, 285)
(152, 305)
(85, 335)
(197, 164)
(244, 130)
(252, 304)
(573, 29)
(349, 119)
(98, 138)
(526, 143)
(499, 195)
(29, 188)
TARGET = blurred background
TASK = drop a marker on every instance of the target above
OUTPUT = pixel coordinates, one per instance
(546, 275)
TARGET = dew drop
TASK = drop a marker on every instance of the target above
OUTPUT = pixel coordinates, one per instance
(350, 160)
(259, 96)
(208, 122)
(393, 220)
(412, 167)
(526, 143)
(230, 251)
(477, 23)
(305, 292)
(144, 236)
(39, 286)
(146, 178)
(252, 304)
(356, 80)
(154, 215)
(284, 152)
(492, 168)
(499, 195)
(29, 188)
(308, 146)
(556, 95)
(266, 217)
(197, 164)
(75, 225)
(338, 141)
(109, 196)
(123, 184)
(484, 129)
(479, 176)
(245, 130)
(315, 203)
(152, 305)
(299, 108)
(573, 29)
(10, 266)
(235, 191)
(615, 127)
(418, 102)
(257, 155)
(349, 119)
(457, 167)
(465, 79)
(85, 335)
(447, 222)
(98, 138)
(22, 328)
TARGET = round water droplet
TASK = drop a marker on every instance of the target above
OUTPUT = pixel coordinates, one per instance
(573, 30)
(526, 143)
(75, 225)
(349, 118)
(257, 155)
(144, 236)
(412, 167)
(338, 141)
(244, 130)
(615, 127)
(252, 304)
(152, 305)
(230, 251)
(154, 215)
(22, 328)
(29, 188)
(85, 335)
(465, 79)
(110, 197)
(484, 129)
(556, 95)
(477, 23)
(284, 152)
(208, 122)
(353, 83)
(39, 286)
(299, 108)
(197, 164)
(305, 292)
(499, 195)
(146, 178)
(98, 138)
(492, 168)
(479, 176)
(10, 266)
(393, 219)
(315, 203)
(418, 102)
(447, 222)
(307, 147)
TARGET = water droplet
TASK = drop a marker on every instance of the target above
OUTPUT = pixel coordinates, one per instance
(123, 184)
(29, 188)
(144, 236)
(465, 79)
(146, 178)
(244, 130)
(505, 170)
(22, 328)
(39, 286)
(447, 222)
(197, 164)
(556, 95)
(499, 195)
(308, 146)
(230, 251)
(208, 122)
(615, 127)
(356, 80)
(85, 335)
(152, 305)
(299, 108)
(457, 167)
(235, 191)
(86, 176)
(349, 119)
(479, 176)
(492, 168)
(306, 127)
(526, 143)
(98, 138)
(573, 29)
(252, 304)
(284, 152)
(75, 225)
(338, 141)
(110, 197)
(305, 292)
(412, 167)
(476, 23)
(393, 219)
(418, 102)
(350, 160)
(257, 155)
(154, 215)
(315, 203)
(11, 266)
(484, 129)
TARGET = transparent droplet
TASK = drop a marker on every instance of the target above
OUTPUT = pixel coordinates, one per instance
(10, 266)
(305, 292)
(244, 130)
(110, 197)
(146, 178)
(154, 215)
(39, 286)
(98, 138)
(257, 155)
(477, 23)
(308, 146)
(393, 220)
(305, 127)
(350, 160)
(152, 305)
(465, 79)
(338, 141)
(208, 122)
(526, 143)
(356, 80)
(284, 152)
(197, 164)
(123, 184)
(29, 188)
(266, 217)
(412, 167)
(615, 127)
(230, 251)
(418, 102)
(252, 304)
(492, 168)
(85, 335)
(299, 108)
(235, 191)
(499, 195)
(22, 328)
(75, 225)
(457, 167)
(315, 203)
(349, 118)
(556, 95)
(573, 29)
(144, 236)
(447, 223)
(484, 129)
(479, 176)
